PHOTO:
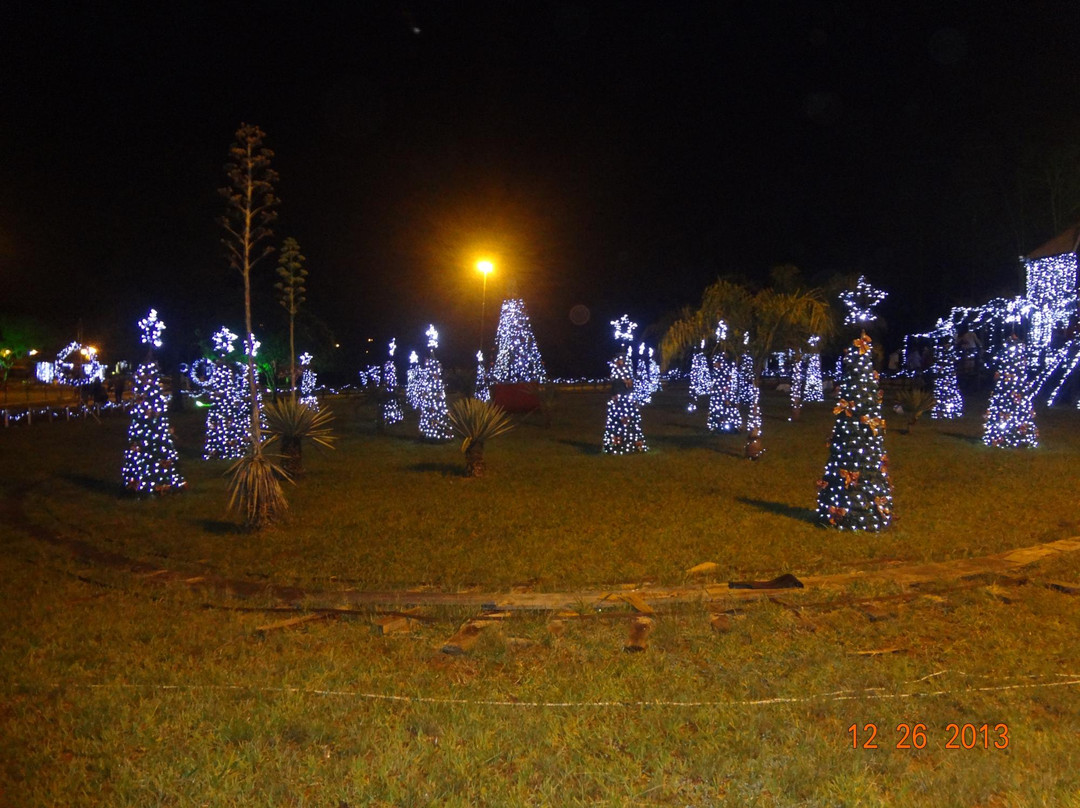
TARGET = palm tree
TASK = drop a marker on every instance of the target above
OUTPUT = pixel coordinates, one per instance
(758, 323)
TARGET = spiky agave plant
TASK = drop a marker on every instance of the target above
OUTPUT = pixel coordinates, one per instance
(477, 422)
(292, 423)
(254, 491)
(915, 401)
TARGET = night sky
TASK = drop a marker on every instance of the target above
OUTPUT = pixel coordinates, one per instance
(615, 156)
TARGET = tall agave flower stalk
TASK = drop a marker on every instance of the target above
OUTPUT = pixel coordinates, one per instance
(476, 422)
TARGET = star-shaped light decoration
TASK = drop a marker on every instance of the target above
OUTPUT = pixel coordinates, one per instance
(479, 356)
(251, 346)
(860, 302)
(432, 337)
(393, 346)
(151, 328)
(624, 329)
(721, 332)
(305, 359)
(224, 340)
(413, 358)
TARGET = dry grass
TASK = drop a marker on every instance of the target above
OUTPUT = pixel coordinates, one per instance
(121, 692)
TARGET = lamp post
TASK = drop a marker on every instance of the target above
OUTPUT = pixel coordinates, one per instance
(485, 268)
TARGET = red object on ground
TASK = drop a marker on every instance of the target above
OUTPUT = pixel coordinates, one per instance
(516, 398)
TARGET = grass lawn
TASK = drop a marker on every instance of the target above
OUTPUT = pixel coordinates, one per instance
(122, 692)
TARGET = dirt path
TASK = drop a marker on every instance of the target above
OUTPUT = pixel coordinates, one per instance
(643, 597)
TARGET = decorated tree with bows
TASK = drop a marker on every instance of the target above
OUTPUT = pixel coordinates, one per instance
(855, 493)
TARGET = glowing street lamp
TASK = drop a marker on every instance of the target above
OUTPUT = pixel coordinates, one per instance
(485, 268)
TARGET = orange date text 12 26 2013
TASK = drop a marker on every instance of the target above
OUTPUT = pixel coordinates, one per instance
(914, 736)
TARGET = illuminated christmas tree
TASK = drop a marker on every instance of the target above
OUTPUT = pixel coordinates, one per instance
(307, 383)
(412, 382)
(724, 415)
(622, 429)
(813, 390)
(150, 461)
(855, 492)
(1010, 418)
(391, 407)
(482, 392)
(748, 392)
(948, 403)
(517, 357)
(228, 423)
(700, 378)
(431, 394)
(798, 384)
(643, 378)
(249, 380)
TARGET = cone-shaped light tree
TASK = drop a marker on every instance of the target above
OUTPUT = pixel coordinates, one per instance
(1010, 417)
(948, 403)
(813, 390)
(700, 378)
(150, 461)
(391, 407)
(517, 357)
(412, 381)
(431, 394)
(227, 421)
(481, 390)
(724, 414)
(308, 378)
(622, 428)
(854, 492)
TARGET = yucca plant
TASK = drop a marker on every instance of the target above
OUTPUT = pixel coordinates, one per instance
(915, 402)
(254, 490)
(477, 422)
(292, 423)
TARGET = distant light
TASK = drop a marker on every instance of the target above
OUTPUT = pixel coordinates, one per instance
(337, 344)
(33, 352)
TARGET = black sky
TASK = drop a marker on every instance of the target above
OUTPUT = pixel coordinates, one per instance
(620, 156)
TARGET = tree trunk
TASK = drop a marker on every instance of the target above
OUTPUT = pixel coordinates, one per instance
(292, 456)
(753, 448)
(474, 460)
